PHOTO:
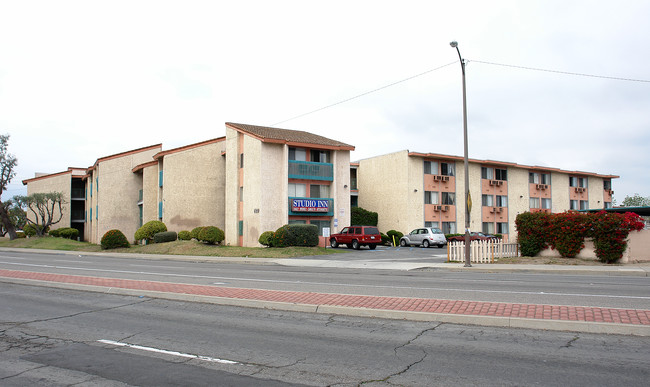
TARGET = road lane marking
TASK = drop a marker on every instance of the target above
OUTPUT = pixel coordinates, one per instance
(327, 283)
(166, 352)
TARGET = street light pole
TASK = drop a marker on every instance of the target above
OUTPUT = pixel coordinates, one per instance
(468, 197)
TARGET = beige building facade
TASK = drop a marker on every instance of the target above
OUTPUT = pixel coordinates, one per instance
(426, 189)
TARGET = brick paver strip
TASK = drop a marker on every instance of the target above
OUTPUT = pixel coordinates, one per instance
(459, 307)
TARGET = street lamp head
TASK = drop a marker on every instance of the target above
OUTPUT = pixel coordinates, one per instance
(454, 44)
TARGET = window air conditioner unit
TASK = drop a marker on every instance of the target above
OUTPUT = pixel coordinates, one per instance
(492, 209)
(445, 208)
(445, 178)
(436, 208)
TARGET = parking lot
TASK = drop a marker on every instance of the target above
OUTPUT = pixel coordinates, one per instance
(391, 254)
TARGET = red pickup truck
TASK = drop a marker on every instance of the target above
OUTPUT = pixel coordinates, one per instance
(356, 236)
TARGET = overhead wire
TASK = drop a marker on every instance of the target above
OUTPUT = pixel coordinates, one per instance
(451, 63)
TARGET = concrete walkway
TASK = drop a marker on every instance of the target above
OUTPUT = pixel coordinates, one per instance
(551, 317)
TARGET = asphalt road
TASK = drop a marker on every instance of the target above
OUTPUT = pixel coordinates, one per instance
(558, 289)
(65, 337)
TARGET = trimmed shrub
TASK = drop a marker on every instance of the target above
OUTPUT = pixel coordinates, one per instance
(385, 240)
(296, 235)
(610, 231)
(194, 234)
(20, 234)
(68, 233)
(30, 230)
(398, 235)
(114, 239)
(54, 233)
(149, 229)
(266, 239)
(362, 217)
(211, 235)
(184, 235)
(165, 236)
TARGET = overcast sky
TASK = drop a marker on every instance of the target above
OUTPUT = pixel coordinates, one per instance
(80, 80)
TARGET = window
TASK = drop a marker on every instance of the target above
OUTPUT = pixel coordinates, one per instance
(448, 198)
(430, 197)
(487, 173)
(319, 156)
(534, 202)
(546, 178)
(533, 178)
(573, 204)
(502, 228)
(573, 181)
(502, 201)
(241, 160)
(584, 205)
(319, 191)
(487, 200)
(608, 204)
(447, 169)
(431, 224)
(449, 227)
(431, 167)
(546, 204)
(241, 194)
(297, 221)
(320, 224)
(607, 184)
(297, 190)
(582, 182)
(241, 228)
(488, 228)
(501, 174)
(297, 154)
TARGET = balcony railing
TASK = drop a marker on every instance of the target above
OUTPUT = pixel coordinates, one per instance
(311, 206)
(311, 171)
(78, 216)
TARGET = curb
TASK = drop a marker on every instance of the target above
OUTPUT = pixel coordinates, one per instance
(493, 321)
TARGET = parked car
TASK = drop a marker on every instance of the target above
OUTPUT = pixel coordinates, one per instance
(425, 237)
(356, 236)
(473, 236)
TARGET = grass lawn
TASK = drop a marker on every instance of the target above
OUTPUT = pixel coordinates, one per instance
(170, 248)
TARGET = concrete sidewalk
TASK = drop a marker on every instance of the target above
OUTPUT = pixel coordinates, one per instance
(516, 315)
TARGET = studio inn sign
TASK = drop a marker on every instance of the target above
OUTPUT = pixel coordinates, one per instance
(309, 205)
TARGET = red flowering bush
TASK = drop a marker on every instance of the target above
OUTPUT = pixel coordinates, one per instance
(610, 231)
(567, 233)
(532, 228)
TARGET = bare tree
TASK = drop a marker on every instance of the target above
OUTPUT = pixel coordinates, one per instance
(46, 209)
(8, 163)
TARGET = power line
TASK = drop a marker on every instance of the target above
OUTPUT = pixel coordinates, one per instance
(363, 94)
(562, 72)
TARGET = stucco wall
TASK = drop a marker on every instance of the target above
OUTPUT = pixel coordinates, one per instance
(338, 190)
(596, 192)
(232, 187)
(149, 194)
(116, 193)
(59, 183)
(518, 198)
(194, 188)
(272, 189)
(384, 187)
(476, 221)
(559, 192)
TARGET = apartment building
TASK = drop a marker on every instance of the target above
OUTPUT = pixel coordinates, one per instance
(252, 180)
(426, 189)
(72, 184)
(279, 176)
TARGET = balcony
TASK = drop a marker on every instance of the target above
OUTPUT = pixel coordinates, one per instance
(311, 206)
(78, 194)
(308, 170)
(140, 197)
(78, 216)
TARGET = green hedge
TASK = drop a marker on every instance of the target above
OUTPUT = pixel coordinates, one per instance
(398, 235)
(165, 236)
(362, 217)
(20, 234)
(296, 235)
(114, 239)
(266, 239)
(194, 234)
(184, 235)
(30, 229)
(54, 233)
(149, 229)
(68, 233)
(211, 235)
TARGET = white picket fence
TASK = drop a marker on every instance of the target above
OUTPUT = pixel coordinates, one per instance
(481, 251)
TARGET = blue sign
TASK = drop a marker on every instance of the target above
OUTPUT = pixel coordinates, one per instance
(310, 205)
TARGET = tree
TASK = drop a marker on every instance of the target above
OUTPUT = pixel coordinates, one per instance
(636, 201)
(46, 208)
(17, 217)
(7, 164)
